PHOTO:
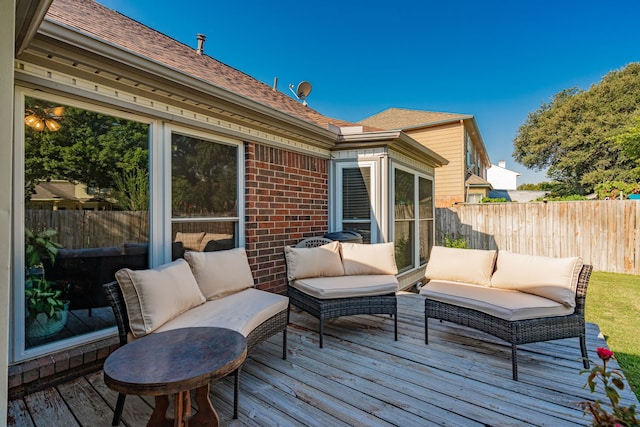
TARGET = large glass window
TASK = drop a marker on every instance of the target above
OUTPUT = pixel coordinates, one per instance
(204, 194)
(86, 215)
(404, 230)
(356, 213)
(425, 218)
(413, 219)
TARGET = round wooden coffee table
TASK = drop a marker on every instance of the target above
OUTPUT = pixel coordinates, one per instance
(175, 362)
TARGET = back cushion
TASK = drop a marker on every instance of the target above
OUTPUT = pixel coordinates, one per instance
(157, 295)
(220, 273)
(191, 241)
(322, 261)
(553, 278)
(471, 266)
(362, 259)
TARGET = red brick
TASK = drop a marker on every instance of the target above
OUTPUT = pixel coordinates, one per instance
(15, 376)
(75, 357)
(30, 371)
(47, 366)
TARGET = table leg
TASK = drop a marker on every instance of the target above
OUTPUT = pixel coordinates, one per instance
(159, 415)
(206, 415)
(182, 409)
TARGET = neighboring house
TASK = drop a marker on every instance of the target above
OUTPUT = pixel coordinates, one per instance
(222, 154)
(455, 137)
(502, 178)
(65, 195)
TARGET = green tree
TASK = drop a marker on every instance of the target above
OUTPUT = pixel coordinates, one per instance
(204, 177)
(629, 140)
(89, 147)
(574, 135)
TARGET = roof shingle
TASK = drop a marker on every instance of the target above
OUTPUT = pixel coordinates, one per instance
(400, 118)
(102, 23)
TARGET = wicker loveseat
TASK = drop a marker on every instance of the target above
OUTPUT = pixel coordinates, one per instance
(518, 298)
(204, 289)
(330, 279)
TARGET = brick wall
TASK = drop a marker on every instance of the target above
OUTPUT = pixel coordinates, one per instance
(286, 201)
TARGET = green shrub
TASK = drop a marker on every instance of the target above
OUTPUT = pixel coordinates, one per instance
(460, 242)
(570, 198)
(494, 200)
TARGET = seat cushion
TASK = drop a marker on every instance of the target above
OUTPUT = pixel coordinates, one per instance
(361, 259)
(321, 261)
(220, 273)
(157, 295)
(461, 265)
(502, 303)
(242, 311)
(554, 278)
(347, 286)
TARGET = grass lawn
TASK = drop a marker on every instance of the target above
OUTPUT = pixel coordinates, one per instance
(613, 303)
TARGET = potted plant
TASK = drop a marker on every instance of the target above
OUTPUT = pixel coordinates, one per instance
(46, 307)
(39, 245)
(47, 310)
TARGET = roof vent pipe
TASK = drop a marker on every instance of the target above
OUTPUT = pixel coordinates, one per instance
(201, 38)
(275, 83)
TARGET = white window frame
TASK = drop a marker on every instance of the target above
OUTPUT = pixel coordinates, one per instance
(373, 199)
(416, 218)
(217, 139)
(17, 349)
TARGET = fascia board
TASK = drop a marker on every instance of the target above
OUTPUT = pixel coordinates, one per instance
(29, 17)
(438, 123)
(397, 140)
(72, 37)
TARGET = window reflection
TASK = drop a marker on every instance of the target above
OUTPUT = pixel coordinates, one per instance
(86, 215)
(204, 195)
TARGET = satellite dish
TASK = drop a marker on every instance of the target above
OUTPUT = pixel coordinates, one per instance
(302, 91)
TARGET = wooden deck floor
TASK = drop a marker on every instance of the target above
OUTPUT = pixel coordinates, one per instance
(363, 378)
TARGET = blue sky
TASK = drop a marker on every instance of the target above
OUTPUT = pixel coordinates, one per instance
(497, 60)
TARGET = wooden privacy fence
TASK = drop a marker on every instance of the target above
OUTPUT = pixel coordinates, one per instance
(91, 229)
(604, 233)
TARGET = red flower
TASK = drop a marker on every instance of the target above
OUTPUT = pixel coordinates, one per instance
(604, 353)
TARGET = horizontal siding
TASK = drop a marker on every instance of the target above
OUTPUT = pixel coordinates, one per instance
(447, 141)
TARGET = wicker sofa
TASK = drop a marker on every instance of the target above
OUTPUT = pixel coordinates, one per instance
(518, 298)
(329, 279)
(204, 289)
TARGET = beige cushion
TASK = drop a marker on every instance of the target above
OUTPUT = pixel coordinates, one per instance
(503, 303)
(220, 273)
(347, 286)
(190, 241)
(473, 266)
(157, 295)
(242, 312)
(554, 278)
(378, 258)
(322, 261)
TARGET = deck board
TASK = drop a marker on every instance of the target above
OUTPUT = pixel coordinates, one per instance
(363, 377)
